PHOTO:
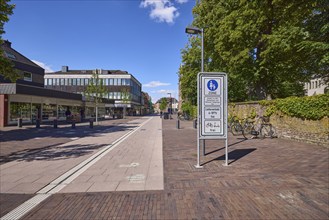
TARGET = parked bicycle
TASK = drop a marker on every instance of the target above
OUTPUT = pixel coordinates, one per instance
(236, 126)
(261, 127)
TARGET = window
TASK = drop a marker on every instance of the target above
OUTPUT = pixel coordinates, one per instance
(10, 55)
(86, 82)
(66, 82)
(46, 82)
(115, 82)
(62, 82)
(119, 82)
(50, 82)
(111, 82)
(74, 82)
(78, 82)
(27, 76)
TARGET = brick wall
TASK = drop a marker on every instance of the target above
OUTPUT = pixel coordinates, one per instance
(316, 132)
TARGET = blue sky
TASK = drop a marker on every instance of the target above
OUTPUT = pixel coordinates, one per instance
(142, 37)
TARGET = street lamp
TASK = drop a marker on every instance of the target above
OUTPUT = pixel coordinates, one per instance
(170, 105)
(195, 31)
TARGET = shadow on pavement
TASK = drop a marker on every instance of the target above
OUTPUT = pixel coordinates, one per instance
(50, 153)
(68, 132)
(233, 156)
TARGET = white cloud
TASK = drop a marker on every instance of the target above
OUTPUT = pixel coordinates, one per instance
(165, 91)
(43, 65)
(153, 84)
(161, 10)
(181, 1)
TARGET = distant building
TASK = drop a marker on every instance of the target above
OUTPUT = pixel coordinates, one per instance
(171, 103)
(315, 87)
(27, 98)
(118, 83)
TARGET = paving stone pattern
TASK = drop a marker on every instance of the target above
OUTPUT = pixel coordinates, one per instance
(265, 179)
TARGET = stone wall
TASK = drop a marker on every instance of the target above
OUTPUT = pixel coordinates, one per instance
(315, 132)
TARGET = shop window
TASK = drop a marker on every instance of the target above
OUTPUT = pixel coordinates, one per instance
(20, 110)
(49, 112)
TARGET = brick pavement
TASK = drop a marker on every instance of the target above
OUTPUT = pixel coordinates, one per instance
(266, 179)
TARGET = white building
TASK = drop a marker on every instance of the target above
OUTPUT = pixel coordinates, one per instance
(315, 87)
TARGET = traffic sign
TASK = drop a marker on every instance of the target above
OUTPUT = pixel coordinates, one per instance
(212, 110)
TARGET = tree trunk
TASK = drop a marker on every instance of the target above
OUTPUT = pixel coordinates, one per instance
(96, 115)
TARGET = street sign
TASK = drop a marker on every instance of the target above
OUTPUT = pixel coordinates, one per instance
(212, 110)
(212, 105)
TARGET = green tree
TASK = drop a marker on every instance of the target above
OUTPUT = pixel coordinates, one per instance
(163, 104)
(95, 91)
(7, 67)
(267, 47)
(126, 97)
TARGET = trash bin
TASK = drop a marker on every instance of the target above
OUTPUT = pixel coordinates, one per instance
(166, 115)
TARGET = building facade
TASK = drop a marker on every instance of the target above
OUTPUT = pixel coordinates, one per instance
(122, 88)
(315, 87)
(27, 99)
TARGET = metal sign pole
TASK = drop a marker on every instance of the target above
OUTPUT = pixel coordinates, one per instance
(226, 115)
(198, 123)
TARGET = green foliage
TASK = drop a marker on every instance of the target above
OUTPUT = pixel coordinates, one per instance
(253, 113)
(308, 107)
(163, 104)
(96, 90)
(268, 48)
(6, 67)
(190, 110)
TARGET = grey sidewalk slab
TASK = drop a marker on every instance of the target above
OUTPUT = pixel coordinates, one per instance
(31, 173)
(135, 164)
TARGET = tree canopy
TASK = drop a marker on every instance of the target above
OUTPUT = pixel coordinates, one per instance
(6, 67)
(267, 47)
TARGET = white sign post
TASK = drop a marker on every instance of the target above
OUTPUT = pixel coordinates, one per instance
(212, 109)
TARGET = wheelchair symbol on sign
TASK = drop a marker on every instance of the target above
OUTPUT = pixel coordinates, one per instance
(212, 85)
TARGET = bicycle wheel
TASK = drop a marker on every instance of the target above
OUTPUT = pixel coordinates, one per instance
(236, 129)
(273, 133)
(265, 131)
(248, 127)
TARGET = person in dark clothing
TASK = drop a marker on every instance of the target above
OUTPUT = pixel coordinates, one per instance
(68, 114)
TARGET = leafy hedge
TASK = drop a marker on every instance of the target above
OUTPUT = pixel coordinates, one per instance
(308, 107)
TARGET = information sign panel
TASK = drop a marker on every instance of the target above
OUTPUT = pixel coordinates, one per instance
(212, 105)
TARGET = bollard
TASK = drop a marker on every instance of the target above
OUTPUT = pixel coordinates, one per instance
(195, 123)
(37, 123)
(73, 123)
(91, 123)
(19, 122)
(178, 124)
(55, 123)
